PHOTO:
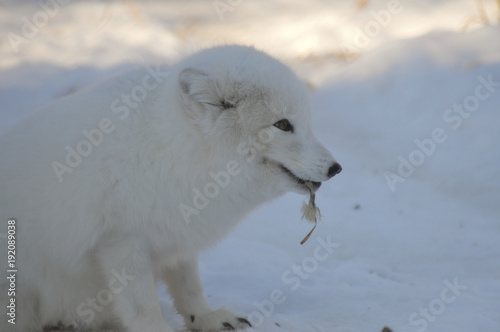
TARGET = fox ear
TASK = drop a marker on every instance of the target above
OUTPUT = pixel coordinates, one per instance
(200, 93)
(191, 79)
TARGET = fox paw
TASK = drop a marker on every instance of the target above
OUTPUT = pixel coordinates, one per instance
(218, 320)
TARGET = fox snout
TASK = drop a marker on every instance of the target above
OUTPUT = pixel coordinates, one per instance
(334, 170)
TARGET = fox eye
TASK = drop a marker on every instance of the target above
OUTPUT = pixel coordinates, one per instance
(284, 125)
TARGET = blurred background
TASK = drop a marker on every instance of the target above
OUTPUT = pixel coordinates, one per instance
(318, 38)
(405, 93)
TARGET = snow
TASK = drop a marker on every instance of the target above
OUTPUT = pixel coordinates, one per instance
(422, 255)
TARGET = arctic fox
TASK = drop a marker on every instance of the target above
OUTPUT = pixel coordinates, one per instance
(121, 185)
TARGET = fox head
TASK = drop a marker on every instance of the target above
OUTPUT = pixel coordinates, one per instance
(256, 106)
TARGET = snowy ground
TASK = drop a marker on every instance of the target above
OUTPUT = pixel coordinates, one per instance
(402, 99)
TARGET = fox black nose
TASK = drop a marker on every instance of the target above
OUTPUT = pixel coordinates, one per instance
(335, 169)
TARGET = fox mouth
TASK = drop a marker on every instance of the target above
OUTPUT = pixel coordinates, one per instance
(305, 184)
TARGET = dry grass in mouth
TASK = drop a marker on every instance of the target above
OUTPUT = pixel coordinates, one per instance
(310, 211)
